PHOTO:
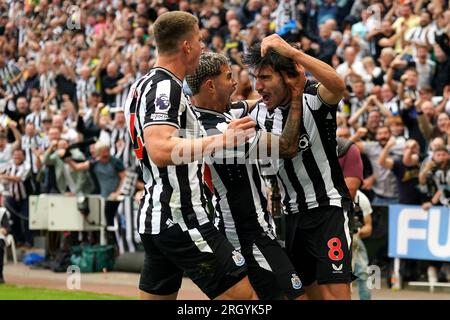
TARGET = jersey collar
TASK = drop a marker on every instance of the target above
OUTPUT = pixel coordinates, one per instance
(213, 112)
(170, 73)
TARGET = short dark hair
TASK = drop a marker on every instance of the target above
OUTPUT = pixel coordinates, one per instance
(171, 27)
(209, 66)
(279, 63)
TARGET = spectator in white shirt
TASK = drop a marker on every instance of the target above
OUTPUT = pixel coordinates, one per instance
(351, 65)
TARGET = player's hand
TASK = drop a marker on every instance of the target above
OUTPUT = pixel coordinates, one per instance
(239, 131)
(296, 83)
(276, 43)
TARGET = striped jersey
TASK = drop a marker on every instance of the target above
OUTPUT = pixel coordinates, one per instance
(121, 97)
(47, 84)
(18, 190)
(239, 190)
(7, 73)
(85, 87)
(28, 145)
(173, 194)
(121, 146)
(313, 178)
(37, 118)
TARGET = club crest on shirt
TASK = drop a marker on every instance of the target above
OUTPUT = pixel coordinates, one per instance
(296, 282)
(238, 258)
(304, 143)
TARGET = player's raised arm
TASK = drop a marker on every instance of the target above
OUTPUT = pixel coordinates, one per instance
(332, 88)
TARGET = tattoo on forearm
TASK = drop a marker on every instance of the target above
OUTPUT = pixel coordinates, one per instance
(291, 133)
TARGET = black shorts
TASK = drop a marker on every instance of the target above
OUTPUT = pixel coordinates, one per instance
(209, 260)
(270, 271)
(319, 244)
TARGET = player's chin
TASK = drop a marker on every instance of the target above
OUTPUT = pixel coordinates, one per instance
(270, 103)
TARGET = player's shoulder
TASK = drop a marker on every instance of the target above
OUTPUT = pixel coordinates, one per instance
(164, 89)
(161, 74)
(163, 82)
(212, 121)
(311, 87)
(158, 79)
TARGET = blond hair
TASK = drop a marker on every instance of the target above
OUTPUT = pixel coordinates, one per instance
(99, 146)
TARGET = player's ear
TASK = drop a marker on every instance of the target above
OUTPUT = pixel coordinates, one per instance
(210, 85)
(186, 47)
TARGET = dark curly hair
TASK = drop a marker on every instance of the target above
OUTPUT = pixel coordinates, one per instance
(279, 63)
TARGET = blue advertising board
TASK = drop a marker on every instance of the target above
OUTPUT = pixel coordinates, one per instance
(418, 234)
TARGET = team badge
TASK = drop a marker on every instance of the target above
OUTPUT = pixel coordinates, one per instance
(296, 282)
(304, 143)
(238, 258)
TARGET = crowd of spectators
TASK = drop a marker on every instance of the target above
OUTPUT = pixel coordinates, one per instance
(66, 68)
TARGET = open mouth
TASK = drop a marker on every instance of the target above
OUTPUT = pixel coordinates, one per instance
(265, 97)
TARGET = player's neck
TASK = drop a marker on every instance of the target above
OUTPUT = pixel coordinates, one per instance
(173, 64)
(205, 101)
(286, 101)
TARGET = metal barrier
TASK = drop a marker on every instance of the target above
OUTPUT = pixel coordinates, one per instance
(56, 212)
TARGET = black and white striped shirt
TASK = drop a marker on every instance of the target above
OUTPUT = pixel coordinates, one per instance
(36, 118)
(84, 90)
(313, 178)
(421, 35)
(239, 190)
(121, 97)
(8, 72)
(46, 83)
(28, 144)
(17, 190)
(173, 194)
(22, 35)
(121, 146)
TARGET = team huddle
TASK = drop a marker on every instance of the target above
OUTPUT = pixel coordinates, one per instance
(190, 148)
